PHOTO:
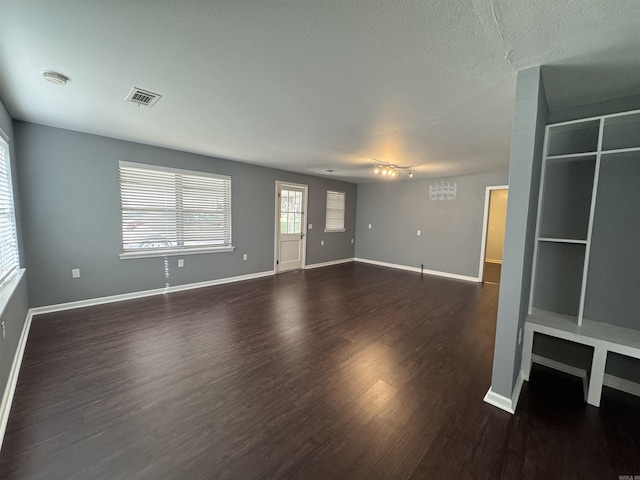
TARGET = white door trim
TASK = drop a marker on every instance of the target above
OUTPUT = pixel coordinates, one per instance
(485, 226)
(276, 222)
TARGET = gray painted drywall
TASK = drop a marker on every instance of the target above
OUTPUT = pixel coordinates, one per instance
(70, 199)
(623, 104)
(530, 117)
(451, 230)
(15, 311)
(614, 263)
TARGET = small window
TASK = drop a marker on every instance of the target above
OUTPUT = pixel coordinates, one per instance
(8, 238)
(335, 212)
(170, 211)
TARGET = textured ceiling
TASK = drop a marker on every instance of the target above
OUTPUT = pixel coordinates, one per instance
(307, 85)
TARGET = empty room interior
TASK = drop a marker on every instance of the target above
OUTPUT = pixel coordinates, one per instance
(321, 240)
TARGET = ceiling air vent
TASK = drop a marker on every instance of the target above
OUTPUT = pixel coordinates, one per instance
(143, 97)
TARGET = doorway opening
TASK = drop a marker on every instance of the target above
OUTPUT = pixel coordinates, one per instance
(495, 216)
(290, 226)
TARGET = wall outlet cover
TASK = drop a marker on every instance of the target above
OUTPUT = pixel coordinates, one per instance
(75, 273)
(180, 262)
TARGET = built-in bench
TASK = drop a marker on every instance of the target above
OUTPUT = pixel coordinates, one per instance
(603, 337)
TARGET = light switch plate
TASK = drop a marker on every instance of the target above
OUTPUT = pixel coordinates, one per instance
(180, 262)
(75, 273)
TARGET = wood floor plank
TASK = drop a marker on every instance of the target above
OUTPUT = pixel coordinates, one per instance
(351, 371)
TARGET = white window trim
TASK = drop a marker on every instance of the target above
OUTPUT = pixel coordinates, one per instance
(170, 252)
(9, 274)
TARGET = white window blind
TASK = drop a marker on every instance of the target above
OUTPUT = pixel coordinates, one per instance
(166, 209)
(335, 212)
(8, 238)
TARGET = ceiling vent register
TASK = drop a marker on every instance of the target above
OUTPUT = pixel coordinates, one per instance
(143, 97)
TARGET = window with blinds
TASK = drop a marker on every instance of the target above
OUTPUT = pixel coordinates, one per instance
(8, 238)
(166, 210)
(335, 212)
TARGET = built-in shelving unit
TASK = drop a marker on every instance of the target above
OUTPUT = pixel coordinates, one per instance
(587, 255)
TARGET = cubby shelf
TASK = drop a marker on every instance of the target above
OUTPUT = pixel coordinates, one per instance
(562, 240)
(586, 260)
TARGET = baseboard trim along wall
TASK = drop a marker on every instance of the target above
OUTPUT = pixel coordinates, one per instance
(7, 396)
(610, 381)
(328, 264)
(145, 293)
(505, 403)
(417, 269)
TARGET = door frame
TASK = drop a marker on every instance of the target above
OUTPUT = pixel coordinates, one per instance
(276, 224)
(485, 226)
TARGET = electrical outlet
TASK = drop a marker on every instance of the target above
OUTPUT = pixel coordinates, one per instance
(4, 332)
(75, 273)
(321, 242)
(352, 241)
(419, 233)
(369, 226)
(245, 257)
(311, 226)
(180, 262)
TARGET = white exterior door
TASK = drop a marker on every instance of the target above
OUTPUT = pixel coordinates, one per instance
(290, 226)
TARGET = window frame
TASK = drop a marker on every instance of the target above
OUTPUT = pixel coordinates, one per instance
(180, 250)
(332, 229)
(14, 265)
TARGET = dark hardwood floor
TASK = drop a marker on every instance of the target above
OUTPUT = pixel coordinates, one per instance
(344, 372)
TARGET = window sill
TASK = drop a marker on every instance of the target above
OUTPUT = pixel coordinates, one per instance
(8, 286)
(335, 231)
(173, 253)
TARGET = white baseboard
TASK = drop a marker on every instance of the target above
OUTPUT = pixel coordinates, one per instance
(417, 269)
(145, 293)
(622, 384)
(7, 396)
(327, 264)
(610, 381)
(505, 403)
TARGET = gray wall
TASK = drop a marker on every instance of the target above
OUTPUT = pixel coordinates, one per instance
(530, 118)
(451, 229)
(70, 199)
(15, 311)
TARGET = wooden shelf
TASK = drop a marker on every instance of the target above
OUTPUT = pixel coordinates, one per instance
(573, 156)
(562, 240)
(623, 340)
(603, 337)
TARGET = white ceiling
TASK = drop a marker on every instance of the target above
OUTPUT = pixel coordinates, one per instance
(307, 85)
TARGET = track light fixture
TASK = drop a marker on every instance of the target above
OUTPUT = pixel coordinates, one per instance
(391, 170)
